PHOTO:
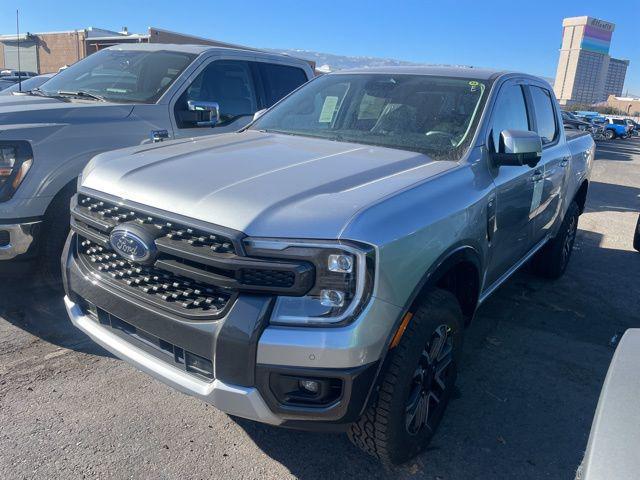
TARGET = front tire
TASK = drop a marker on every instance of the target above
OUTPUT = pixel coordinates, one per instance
(609, 134)
(551, 262)
(54, 235)
(417, 384)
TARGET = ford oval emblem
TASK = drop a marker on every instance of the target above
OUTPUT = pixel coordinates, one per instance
(132, 245)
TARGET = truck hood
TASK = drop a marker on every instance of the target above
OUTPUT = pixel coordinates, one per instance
(262, 184)
(29, 109)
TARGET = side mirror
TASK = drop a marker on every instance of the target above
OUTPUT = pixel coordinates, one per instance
(518, 147)
(207, 114)
(258, 114)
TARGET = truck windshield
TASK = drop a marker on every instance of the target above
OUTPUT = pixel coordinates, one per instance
(120, 75)
(422, 113)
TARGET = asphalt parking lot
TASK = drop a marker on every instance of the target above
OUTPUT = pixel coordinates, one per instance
(535, 359)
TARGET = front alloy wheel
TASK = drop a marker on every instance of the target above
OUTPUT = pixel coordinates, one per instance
(429, 383)
(416, 385)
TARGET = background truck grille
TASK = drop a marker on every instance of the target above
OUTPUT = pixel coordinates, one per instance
(151, 283)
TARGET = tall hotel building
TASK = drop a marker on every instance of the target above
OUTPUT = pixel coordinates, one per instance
(586, 73)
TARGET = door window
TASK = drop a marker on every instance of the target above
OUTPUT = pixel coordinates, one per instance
(545, 115)
(279, 80)
(509, 113)
(227, 82)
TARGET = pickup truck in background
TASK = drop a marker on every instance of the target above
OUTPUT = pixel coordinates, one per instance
(616, 128)
(118, 97)
(318, 269)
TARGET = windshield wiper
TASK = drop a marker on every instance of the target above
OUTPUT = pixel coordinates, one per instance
(82, 94)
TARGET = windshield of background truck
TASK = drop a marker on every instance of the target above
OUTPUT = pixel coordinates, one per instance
(121, 76)
(426, 114)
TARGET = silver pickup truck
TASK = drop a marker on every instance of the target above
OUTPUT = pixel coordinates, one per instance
(317, 269)
(121, 96)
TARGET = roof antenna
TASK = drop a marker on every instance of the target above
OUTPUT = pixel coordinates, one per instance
(18, 39)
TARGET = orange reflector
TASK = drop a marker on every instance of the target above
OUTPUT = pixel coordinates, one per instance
(403, 326)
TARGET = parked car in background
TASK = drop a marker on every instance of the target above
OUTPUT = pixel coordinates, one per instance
(317, 269)
(121, 96)
(572, 122)
(633, 126)
(612, 451)
(6, 82)
(615, 128)
(26, 85)
(16, 73)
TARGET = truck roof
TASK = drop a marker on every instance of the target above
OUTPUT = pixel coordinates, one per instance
(196, 49)
(443, 71)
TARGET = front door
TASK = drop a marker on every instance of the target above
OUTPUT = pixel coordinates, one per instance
(514, 187)
(230, 83)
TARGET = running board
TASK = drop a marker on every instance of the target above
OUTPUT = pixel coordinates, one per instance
(494, 286)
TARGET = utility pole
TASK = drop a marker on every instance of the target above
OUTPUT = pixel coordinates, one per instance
(18, 40)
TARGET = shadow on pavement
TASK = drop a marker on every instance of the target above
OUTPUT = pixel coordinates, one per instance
(31, 305)
(605, 197)
(617, 150)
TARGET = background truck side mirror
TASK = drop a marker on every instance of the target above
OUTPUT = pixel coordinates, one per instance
(207, 114)
(517, 148)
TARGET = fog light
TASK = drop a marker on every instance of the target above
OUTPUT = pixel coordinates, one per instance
(331, 298)
(340, 263)
(311, 386)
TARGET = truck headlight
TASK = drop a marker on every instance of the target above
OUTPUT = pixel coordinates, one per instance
(16, 158)
(344, 276)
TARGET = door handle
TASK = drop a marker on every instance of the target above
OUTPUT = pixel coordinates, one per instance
(537, 176)
(565, 161)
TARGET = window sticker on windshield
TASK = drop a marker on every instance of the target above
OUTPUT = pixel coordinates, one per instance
(328, 109)
(473, 85)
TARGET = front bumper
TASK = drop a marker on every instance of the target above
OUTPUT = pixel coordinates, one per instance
(244, 402)
(17, 238)
(248, 358)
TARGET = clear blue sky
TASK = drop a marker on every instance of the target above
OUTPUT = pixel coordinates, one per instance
(520, 35)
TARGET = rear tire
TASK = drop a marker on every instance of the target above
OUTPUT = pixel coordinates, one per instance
(636, 237)
(417, 384)
(552, 260)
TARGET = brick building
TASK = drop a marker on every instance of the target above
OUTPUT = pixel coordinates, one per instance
(47, 52)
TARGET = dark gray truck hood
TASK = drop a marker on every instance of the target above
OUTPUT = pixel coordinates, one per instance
(262, 184)
(30, 109)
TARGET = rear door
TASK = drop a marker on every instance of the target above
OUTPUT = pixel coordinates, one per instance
(548, 176)
(514, 186)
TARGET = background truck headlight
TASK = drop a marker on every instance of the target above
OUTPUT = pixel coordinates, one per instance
(344, 277)
(16, 158)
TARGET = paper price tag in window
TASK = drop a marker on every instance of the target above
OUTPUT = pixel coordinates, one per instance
(328, 109)
(537, 195)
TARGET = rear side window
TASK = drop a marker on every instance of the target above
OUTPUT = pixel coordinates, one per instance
(509, 113)
(545, 116)
(279, 80)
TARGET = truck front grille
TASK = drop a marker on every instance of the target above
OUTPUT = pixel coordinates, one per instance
(109, 215)
(195, 272)
(152, 284)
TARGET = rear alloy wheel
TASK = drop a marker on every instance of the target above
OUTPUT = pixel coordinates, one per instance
(417, 384)
(552, 260)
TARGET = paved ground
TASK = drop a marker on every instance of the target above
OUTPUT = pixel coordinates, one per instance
(534, 363)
